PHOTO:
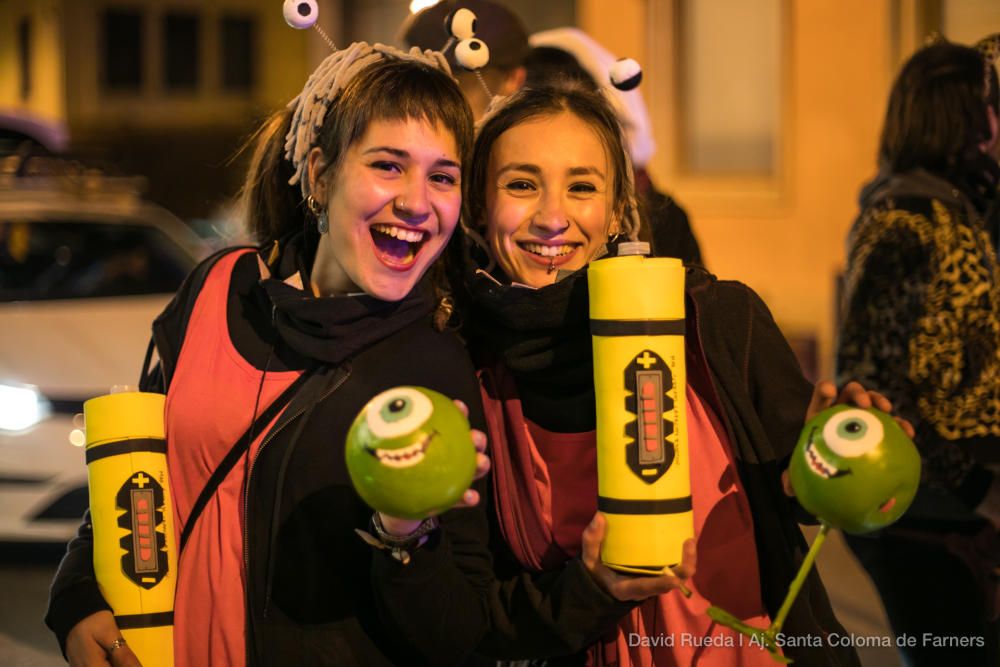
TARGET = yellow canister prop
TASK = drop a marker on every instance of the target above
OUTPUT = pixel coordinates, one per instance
(643, 469)
(135, 558)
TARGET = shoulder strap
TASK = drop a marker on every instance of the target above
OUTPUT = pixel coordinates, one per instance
(236, 452)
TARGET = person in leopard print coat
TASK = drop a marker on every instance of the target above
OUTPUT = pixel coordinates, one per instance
(921, 324)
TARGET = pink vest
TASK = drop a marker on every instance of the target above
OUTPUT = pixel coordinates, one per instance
(208, 407)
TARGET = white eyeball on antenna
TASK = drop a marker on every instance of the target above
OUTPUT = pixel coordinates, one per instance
(461, 23)
(300, 14)
(625, 74)
(472, 54)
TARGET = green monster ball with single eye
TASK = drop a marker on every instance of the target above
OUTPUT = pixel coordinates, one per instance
(855, 469)
(410, 453)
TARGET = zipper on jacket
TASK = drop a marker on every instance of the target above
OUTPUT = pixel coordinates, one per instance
(246, 501)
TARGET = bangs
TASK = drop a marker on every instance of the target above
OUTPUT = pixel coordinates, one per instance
(398, 90)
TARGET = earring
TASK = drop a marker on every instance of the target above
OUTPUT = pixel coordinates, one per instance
(614, 233)
(322, 221)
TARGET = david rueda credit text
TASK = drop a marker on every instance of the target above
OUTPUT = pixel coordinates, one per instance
(732, 640)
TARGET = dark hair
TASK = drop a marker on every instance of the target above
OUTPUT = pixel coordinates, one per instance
(388, 89)
(549, 65)
(936, 117)
(565, 95)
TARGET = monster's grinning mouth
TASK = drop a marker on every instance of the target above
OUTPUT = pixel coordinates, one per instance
(820, 465)
(405, 457)
(887, 505)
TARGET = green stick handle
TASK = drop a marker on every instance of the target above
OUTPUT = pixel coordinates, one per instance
(793, 589)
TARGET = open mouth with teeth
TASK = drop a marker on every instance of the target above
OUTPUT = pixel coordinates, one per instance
(548, 255)
(820, 465)
(397, 247)
(404, 457)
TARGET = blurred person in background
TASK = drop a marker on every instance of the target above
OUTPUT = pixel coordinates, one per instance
(570, 53)
(502, 31)
(921, 324)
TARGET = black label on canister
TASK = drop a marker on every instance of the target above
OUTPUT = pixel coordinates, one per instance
(649, 382)
(145, 557)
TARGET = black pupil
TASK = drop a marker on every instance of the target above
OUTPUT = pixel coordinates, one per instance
(473, 27)
(474, 46)
(304, 9)
(852, 427)
(397, 405)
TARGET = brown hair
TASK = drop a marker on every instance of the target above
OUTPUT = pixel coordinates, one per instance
(387, 90)
(937, 112)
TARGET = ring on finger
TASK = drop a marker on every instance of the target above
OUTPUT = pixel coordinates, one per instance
(116, 644)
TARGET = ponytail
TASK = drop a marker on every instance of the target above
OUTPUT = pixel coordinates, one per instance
(273, 208)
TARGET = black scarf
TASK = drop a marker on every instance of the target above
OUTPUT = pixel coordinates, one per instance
(333, 329)
(543, 337)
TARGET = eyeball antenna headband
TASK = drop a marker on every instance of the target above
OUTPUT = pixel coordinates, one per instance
(471, 53)
(309, 107)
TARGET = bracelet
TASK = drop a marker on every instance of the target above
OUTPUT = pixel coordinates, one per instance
(399, 546)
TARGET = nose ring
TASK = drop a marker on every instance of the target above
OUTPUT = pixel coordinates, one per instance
(400, 204)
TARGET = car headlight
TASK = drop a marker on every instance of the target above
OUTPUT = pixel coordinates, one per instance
(21, 407)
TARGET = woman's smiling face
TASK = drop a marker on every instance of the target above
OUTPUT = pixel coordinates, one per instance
(392, 205)
(548, 202)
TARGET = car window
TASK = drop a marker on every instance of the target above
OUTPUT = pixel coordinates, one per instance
(72, 259)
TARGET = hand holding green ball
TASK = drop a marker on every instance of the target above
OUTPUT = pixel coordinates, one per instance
(410, 453)
(854, 469)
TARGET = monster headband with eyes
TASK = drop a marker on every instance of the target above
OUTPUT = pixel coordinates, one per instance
(309, 107)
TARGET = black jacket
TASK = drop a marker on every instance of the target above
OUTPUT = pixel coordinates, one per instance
(310, 595)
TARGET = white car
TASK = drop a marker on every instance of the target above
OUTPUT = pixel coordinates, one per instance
(85, 266)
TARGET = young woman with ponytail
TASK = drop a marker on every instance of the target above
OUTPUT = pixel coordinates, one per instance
(353, 192)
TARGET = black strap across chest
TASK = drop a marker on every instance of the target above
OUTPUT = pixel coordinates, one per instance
(236, 452)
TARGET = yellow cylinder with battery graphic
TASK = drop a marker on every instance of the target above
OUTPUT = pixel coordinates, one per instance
(135, 557)
(643, 470)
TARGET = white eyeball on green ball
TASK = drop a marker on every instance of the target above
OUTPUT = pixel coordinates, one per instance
(300, 14)
(472, 54)
(460, 24)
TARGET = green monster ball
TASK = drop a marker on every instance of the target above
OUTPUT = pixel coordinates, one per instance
(855, 469)
(410, 453)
